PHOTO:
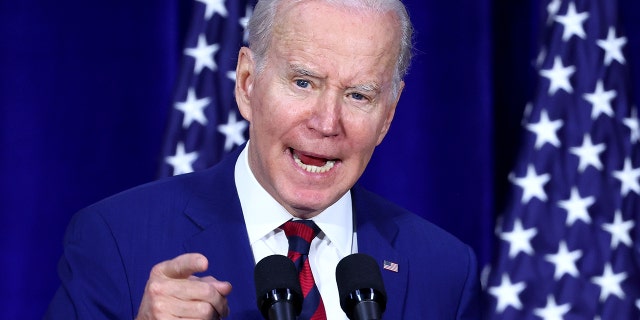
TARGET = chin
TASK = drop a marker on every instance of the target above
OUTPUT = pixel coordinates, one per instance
(311, 203)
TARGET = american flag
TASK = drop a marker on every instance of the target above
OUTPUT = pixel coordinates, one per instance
(204, 121)
(568, 240)
(391, 266)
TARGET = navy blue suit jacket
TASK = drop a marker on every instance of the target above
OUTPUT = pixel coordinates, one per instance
(110, 248)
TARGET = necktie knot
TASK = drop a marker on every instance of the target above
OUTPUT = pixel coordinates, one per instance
(300, 233)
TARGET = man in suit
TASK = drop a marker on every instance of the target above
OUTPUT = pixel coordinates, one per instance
(319, 86)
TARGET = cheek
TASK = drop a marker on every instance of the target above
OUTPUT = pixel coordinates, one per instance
(281, 108)
(276, 116)
(365, 130)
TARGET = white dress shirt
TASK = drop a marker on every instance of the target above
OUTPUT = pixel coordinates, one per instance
(263, 216)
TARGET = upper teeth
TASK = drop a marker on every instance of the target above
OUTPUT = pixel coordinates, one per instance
(314, 169)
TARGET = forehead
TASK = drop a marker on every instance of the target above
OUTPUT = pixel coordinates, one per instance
(337, 37)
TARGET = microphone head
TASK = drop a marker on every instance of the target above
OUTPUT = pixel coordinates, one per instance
(276, 280)
(359, 279)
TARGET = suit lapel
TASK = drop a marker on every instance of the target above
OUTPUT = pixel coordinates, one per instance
(223, 238)
(226, 246)
(375, 238)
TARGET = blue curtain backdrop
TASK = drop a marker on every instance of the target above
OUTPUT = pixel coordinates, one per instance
(86, 89)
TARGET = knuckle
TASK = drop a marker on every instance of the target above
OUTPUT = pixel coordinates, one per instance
(204, 308)
(158, 307)
(208, 290)
(156, 288)
(156, 271)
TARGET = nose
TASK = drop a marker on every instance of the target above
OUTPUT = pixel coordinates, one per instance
(326, 118)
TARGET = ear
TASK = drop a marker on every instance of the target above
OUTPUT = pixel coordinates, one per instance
(245, 76)
(390, 113)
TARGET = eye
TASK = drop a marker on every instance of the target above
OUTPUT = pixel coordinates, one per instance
(357, 96)
(302, 83)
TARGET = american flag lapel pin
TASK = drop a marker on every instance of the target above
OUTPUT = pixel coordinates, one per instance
(391, 266)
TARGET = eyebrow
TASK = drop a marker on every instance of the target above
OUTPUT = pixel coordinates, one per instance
(368, 87)
(301, 70)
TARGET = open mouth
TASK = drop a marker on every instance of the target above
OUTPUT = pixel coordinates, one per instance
(312, 164)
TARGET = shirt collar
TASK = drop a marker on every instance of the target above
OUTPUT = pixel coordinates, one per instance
(263, 214)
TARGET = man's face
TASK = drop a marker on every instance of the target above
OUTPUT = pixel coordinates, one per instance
(322, 103)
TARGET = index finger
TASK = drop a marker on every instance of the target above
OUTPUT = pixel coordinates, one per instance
(182, 266)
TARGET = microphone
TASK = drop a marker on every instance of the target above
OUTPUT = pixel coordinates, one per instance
(278, 291)
(362, 294)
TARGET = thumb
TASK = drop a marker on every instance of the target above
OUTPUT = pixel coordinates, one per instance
(182, 266)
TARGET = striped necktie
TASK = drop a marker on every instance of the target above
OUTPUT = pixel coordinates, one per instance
(300, 233)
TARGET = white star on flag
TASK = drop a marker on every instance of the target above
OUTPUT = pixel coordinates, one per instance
(231, 75)
(588, 153)
(610, 283)
(552, 311)
(633, 125)
(600, 100)
(182, 162)
(572, 22)
(619, 230)
(203, 54)
(526, 113)
(564, 261)
(193, 109)
(576, 207)
(244, 22)
(540, 58)
(233, 131)
(559, 76)
(552, 9)
(629, 177)
(612, 47)
(519, 239)
(546, 130)
(508, 294)
(532, 184)
(214, 6)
